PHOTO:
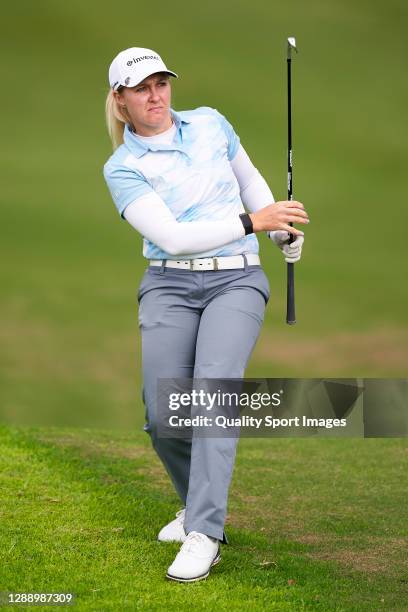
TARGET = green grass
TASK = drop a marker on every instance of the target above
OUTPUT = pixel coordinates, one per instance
(312, 524)
(72, 267)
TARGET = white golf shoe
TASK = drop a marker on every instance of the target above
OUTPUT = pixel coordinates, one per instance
(197, 555)
(174, 531)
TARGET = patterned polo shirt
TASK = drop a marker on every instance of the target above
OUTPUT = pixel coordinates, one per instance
(192, 175)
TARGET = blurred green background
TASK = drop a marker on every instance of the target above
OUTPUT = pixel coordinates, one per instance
(71, 268)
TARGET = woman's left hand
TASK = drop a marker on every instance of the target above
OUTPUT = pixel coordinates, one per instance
(291, 251)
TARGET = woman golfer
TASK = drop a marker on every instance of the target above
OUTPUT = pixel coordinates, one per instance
(181, 180)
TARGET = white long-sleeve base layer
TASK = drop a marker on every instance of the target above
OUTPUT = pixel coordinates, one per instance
(185, 238)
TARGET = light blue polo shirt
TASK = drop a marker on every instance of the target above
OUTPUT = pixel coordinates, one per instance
(193, 176)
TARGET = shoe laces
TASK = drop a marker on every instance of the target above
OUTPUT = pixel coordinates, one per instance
(193, 539)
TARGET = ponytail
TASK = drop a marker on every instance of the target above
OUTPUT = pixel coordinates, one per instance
(115, 120)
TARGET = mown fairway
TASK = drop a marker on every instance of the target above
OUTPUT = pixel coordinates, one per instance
(313, 525)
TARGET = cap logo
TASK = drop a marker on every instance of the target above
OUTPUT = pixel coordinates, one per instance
(139, 59)
(127, 80)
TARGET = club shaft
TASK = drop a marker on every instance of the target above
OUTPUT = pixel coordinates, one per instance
(289, 131)
(290, 301)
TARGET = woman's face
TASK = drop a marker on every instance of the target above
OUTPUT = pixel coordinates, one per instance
(148, 104)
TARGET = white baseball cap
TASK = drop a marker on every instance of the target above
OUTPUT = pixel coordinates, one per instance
(133, 65)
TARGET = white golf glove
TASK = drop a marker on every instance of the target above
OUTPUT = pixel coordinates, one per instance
(291, 251)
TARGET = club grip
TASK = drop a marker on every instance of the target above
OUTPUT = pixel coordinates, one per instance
(290, 301)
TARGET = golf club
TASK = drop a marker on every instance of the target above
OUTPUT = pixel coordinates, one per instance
(290, 300)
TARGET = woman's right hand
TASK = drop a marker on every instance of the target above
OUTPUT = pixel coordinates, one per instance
(277, 216)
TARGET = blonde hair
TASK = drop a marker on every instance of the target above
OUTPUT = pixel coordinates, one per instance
(116, 118)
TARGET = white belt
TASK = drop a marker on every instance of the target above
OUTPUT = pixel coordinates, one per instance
(209, 263)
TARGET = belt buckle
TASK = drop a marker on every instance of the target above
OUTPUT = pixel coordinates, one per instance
(215, 263)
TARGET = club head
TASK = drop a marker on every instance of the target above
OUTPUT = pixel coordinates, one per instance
(291, 45)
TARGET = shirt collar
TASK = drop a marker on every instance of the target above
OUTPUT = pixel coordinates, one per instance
(139, 148)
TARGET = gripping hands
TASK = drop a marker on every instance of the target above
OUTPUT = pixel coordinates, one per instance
(292, 251)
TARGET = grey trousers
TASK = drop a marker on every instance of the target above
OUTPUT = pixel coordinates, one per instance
(198, 325)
